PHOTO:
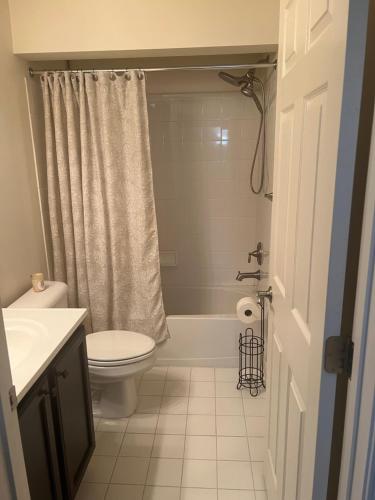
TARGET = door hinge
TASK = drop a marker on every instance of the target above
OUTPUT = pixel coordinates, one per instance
(12, 398)
(338, 356)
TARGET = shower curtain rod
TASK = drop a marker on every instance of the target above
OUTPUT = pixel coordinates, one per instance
(33, 72)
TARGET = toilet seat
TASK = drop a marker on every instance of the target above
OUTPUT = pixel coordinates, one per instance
(118, 348)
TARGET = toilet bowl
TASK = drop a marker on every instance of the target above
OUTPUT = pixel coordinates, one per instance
(115, 358)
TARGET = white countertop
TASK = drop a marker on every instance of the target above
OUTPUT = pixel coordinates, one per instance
(54, 327)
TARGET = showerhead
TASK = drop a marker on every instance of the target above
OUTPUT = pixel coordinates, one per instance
(237, 81)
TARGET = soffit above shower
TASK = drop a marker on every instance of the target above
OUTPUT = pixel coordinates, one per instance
(45, 30)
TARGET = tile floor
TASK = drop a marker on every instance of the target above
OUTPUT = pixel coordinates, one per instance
(194, 437)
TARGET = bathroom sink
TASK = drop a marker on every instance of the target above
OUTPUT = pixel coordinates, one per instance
(23, 338)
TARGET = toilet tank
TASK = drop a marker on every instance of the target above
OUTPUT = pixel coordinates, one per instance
(55, 295)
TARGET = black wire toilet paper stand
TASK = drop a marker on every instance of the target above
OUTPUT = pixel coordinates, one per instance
(251, 358)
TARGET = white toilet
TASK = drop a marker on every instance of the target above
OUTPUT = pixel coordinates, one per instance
(115, 357)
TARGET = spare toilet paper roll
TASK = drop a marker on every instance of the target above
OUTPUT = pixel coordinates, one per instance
(248, 310)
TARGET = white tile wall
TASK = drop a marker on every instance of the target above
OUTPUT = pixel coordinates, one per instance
(201, 146)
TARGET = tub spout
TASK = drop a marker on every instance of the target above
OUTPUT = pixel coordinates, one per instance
(258, 275)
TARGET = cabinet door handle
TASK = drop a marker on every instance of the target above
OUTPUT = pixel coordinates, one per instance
(63, 373)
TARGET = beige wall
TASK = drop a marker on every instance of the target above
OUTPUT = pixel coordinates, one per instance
(21, 241)
(119, 28)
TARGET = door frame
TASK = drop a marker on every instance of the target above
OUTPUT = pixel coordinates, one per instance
(13, 479)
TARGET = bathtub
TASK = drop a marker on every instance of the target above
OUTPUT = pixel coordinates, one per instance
(206, 339)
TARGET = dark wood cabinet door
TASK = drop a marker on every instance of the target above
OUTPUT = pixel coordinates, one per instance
(39, 443)
(73, 412)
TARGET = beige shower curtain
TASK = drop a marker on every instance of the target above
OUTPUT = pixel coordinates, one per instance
(101, 201)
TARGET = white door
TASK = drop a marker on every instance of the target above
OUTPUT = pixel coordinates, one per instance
(312, 43)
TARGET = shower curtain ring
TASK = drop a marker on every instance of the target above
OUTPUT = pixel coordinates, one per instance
(128, 76)
(140, 74)
(94, 75)
(112, 76)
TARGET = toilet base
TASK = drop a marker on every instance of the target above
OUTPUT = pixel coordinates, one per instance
(118, 399)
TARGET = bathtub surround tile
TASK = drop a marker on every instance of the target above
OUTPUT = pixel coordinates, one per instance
(130, 470)
(178, 373)
(258, 475)
(151, 388)
(236, 495)
(123, 491)
(200, 447)
(176, 388)
(230, 425)
(199, 474)
(99, 469)
(149, 404)
(201, 406)
(202, 374)
(198, 494)
(164, 472)
(168, 446)
(256, 426)
(227, 390)
(254, 407)
(257, 447)
(201, 425)
(202, 389)
(112, 424)
(234, 475)
(174, 405)
(232, 448)
(229, 406)
(92, 491)
(142, 423)
(137, 445)
(226, 375)
(160, 493)
(157, 373)
(171, 424)
(108, 443)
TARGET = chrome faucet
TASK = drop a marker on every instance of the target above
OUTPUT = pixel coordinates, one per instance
(258, 275)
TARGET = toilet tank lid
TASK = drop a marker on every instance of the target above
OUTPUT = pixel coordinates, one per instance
(54, 292)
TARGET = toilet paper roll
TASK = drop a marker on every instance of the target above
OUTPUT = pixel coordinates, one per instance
(248, 310)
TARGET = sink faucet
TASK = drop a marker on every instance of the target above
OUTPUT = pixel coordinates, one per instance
(258, 275)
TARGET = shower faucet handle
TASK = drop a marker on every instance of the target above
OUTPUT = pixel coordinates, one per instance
(258, 254)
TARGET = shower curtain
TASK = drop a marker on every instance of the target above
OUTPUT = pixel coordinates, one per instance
(101, 201)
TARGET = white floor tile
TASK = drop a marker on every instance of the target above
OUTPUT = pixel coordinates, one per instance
(108, 443)
(198, 494)
(261, 495)
(124, 492)
(227, 390)
(200, 447)
(234, 475)
(99, 469)
(203, 374)
(92, 491)
(176, 388)
(233, 425)
(174, 405)
(151, 388)
(255, 407)
(232, 448)
(130, 470)
(202, 389)
(112, 424)
(178, 373)
(226, 375)
(201, 425)
(156, 373)
(171, 424)
(236, 495)
(262, 394)
(229, 406)
(257, 446)
(256, 426)
(149, 404)
(137, 445)
(201, 406)
(142, 423)
(258, 475)
(165, 472)
(161, 493)
(199, 474)
(168, 446)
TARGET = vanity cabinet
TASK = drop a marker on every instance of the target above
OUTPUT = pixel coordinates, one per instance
(56, 424)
